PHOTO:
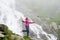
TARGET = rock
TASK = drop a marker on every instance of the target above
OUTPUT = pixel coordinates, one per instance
(3, 28)
(1, 35)
(58, 26)
(54, 25)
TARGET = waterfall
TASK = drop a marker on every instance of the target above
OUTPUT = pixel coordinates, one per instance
(38, 30)
(12, 18)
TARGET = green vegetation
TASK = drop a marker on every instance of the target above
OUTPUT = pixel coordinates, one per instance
(8, 35)
(58, 32)
(45, 38)
(25, 38)
(56, 19)
(15, 38)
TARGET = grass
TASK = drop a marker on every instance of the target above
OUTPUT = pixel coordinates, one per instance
(58, 32)
(25, 38)
(8, 35)
(56, 19)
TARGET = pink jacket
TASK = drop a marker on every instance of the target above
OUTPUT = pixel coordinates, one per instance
(27, 22)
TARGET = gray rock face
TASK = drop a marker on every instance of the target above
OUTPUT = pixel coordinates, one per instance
(3, 28)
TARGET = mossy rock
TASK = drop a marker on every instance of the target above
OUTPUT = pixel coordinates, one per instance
(3, 28)
(26, 38)
(8, 35)
(15, 38)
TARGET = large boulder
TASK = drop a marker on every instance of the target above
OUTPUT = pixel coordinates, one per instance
(3, 28)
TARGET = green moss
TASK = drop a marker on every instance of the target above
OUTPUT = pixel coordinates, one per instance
(25, 38)
(8, 35)
(15, 38)
(58, 32)
(5, 37)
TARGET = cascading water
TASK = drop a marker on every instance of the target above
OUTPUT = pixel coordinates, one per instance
(12, 18)
(38, 30)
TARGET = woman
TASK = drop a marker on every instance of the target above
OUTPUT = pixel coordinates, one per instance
(27, 25)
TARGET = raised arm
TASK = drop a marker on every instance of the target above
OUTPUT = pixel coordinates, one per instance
(23, 21)
(31, 22)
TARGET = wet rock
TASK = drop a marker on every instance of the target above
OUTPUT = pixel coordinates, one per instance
(1, 35)
(3, 28)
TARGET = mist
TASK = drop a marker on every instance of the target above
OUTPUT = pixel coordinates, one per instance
(39, 7)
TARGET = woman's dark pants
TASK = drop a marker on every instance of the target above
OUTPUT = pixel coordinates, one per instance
(27, 29)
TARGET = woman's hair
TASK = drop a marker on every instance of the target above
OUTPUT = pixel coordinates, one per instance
(26, 18)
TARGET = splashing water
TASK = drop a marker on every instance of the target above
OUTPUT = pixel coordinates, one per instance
(12, 19)
(38, 30)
